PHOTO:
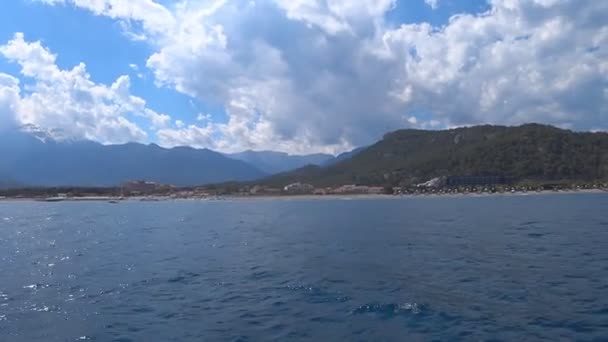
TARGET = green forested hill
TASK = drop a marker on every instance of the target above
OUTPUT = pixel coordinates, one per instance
(532, 151)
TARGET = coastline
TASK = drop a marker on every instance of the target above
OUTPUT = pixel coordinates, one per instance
(411, 196)
(117, 200)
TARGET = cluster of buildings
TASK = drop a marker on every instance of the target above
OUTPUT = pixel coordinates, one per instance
(440, 185)
(466, 181)
(358, 189)
(142, 187)
(300, 188)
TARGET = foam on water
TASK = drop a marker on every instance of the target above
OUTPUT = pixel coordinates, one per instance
(392, 309)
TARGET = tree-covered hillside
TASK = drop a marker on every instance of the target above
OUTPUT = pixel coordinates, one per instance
(528, 152)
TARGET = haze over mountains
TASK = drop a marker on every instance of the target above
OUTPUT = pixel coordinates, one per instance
(34, 157)
(530, 151)
(33, 161)
(272, 162)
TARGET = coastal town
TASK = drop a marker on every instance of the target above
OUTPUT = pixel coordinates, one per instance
(153, 191)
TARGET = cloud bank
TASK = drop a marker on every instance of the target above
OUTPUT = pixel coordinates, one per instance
(67, 100)
(326, 75)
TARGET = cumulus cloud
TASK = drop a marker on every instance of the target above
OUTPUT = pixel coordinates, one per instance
(336, 16)
(203, 117)
(325, 75)
(155, 18)
(9, 100)
(68, 100)
(523, 61)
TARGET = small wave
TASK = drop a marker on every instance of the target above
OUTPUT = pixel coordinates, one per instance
(603, 311)
(536, 235)
(390, 310)
(35, 287)
(184, 277)
(318, 295)
(43, 308)
(299, 288)
(530, 223)
(262, 275)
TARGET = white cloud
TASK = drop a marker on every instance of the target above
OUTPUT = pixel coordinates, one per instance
(519, 62)
(9, 100)
(326, 75)
(192, 135)
(335, 16)
(155, 18)
(69, 100)
(434, 4)
(203, 117)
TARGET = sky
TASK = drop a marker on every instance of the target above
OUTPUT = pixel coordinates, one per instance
(299, 76)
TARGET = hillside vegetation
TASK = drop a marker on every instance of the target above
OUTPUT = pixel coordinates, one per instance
(528, 152)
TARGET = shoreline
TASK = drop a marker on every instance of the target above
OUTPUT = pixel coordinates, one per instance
(410, 196)
(117, 200)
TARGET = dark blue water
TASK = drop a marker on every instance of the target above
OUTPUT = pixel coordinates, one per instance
(495, 268)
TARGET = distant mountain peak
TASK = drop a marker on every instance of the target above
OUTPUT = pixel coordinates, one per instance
(37, 157)
(273, 162)
(45, 135)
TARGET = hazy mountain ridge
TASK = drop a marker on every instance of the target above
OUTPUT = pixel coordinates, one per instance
(406, 156)
(35, 161)
(343, 156)
(276, 162)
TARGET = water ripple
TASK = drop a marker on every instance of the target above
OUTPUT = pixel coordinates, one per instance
(390, 310)
(411, 269)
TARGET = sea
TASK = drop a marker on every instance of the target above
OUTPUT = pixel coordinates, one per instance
(494, 268)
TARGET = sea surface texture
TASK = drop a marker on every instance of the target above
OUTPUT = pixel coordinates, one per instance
(508, 268)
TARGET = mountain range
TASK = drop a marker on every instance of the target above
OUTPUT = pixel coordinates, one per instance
(272, 162)
(33, 160)
(35, 157)
(528, 152)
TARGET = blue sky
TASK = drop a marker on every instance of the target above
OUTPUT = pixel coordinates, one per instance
(76, 35)
(318, 76)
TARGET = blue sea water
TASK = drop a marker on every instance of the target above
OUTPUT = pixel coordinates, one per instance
(506, 268)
